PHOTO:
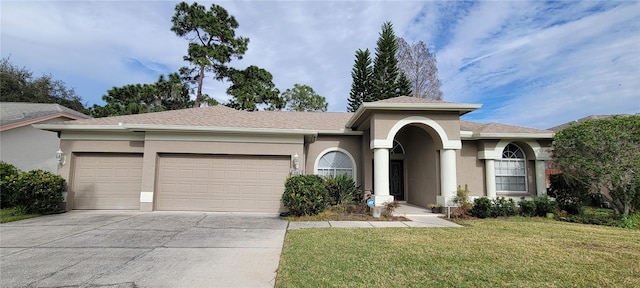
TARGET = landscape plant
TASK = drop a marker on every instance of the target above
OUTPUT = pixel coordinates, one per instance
(527, 207)
(342, 189)
(606, 152)
(544, 205)
(305, 195)
(570, 192)
(36, 191)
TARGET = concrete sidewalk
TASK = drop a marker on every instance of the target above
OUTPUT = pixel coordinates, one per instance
(420, 217)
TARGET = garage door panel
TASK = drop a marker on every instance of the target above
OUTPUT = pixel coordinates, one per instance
(232, 182)
(107, 181)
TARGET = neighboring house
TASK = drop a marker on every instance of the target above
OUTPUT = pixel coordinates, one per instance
(26, 147)
(221, 159)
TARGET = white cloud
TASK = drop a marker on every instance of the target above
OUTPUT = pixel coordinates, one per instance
(514, 56)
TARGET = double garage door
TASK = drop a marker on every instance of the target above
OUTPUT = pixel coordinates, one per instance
(184, 182)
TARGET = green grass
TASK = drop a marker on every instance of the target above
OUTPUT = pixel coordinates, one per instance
(14, 214)
(516, 252)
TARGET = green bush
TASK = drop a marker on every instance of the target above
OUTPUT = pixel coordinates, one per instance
(527, 207)
(571, 193)
(305, 195)
(631, 221)
(504, 207)
(482, 207)
(544, 205)
(342, 189)
(37, 191)
(7, 195)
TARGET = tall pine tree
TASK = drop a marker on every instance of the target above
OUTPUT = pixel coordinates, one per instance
(404, 87)
(385, 66)
(361, 74)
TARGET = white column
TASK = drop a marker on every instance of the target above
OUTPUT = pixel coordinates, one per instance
(381, 176)
(447, 177)
(490, 177)
(541, 181)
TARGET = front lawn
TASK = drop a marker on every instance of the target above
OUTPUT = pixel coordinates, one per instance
(517, 252)
(14, 214)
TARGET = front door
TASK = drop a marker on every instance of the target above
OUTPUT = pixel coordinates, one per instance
(396, 179)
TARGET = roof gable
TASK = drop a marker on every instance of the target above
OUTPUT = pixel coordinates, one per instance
(18, 114)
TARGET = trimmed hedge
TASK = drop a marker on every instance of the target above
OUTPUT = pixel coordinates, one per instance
(305, 195)
(36, 191)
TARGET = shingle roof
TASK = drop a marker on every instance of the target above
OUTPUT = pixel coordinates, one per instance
(497, 128)
(407, 99)
(225, 117)
(222, 116)
(590, 117)
(15, 112)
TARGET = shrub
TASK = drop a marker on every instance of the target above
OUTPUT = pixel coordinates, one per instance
(571, 193)
(527, 207)
(544, 205)
(37, 191)
(462, 201)
(7, 195)
(631, 221)
(342, 189)
(482, 207)
(504, 207)
(305, 195)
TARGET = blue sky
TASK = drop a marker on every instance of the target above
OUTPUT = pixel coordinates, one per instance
(530, 63)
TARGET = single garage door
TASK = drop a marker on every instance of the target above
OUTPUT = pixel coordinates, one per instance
(221, 182)
(107, 181)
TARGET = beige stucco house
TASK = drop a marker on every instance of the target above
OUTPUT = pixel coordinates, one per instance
(221, 159)
(26, 147)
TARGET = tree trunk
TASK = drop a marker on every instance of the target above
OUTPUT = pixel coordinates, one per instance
(199, 91)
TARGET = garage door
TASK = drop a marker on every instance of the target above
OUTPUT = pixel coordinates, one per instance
(221, 182)
(107, 181)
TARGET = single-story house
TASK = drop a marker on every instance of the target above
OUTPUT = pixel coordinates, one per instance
(26, 147)
(220, 159)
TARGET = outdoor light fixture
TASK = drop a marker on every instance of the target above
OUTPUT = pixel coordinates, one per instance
(296, 161)
(60, 157)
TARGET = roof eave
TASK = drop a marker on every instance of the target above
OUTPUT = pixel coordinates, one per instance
(461, 108)
(468, 135)
(122, 127)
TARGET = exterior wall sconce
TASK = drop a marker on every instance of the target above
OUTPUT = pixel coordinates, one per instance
(62, 159)
(296, 165)
(296, 161)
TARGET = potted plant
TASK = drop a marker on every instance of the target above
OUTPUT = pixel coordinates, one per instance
(435, 208)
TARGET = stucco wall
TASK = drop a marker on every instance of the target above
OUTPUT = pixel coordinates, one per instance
(450, 122)
(470, 170)
(351, 144)
(422, 165)
(29, 148)
(151, 149)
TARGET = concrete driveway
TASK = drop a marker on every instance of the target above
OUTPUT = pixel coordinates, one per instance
(136, 249)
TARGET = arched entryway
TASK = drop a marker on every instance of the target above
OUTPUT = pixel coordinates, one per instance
(419, 165)
(429, 163)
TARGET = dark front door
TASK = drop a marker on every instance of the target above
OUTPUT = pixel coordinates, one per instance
(396, 179)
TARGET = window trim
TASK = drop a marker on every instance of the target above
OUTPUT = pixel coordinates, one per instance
(523, 160)
(338, 149)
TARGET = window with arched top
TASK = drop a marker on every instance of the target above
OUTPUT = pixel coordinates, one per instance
(397, 148)
(335, 163)
(511, 170)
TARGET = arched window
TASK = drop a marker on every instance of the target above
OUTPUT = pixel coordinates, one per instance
(334, 163)
(511, 170)
(397, 148)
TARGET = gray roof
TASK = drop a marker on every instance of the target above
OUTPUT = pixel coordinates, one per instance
(222, 116)
(590, 117)
(16, 112)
